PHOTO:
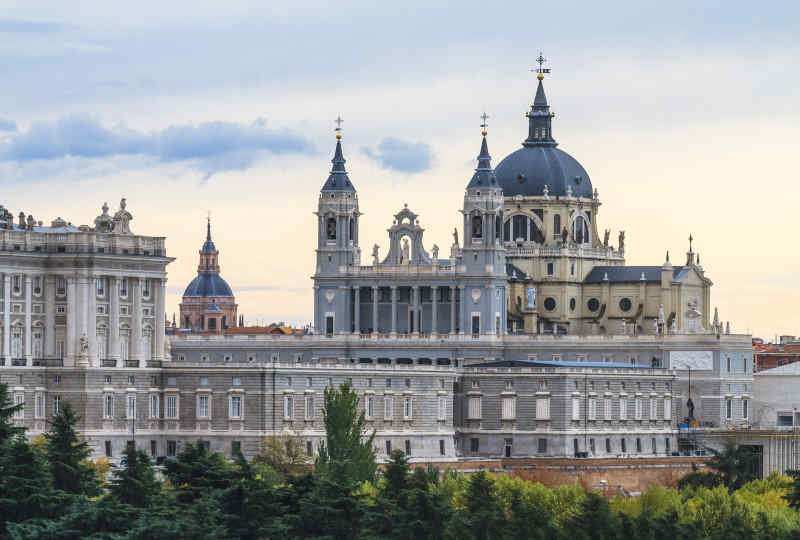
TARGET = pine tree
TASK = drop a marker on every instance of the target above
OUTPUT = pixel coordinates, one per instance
(7, 409)
(197, 471)
(68, 456)
(483, 517)
(135, 484)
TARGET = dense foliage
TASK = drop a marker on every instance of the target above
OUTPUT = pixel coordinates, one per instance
(50, 490)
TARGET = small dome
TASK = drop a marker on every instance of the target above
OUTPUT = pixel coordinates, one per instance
(529, 169)
(208, 285)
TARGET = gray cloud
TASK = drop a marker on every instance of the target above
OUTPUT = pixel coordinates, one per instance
(7, 125)
(210, 146)
(402, 156)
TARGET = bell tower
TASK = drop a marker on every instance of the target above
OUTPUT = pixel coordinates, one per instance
(337, 244)
(483, 254)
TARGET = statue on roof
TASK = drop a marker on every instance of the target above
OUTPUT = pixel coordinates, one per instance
(435, 251)
(564, 235)
(622, 240)
(455, 236)
(606, 236)
(104, 222)
(122, 219)
(406, 256)
(375, 249)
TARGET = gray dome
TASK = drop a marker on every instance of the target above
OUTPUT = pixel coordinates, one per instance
(529, 169)
(208, 285)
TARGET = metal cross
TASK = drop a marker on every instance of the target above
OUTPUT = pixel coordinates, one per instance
(339, 122)
(484, 117)
(541, 60)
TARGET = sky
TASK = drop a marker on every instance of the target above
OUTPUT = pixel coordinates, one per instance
(686, 116)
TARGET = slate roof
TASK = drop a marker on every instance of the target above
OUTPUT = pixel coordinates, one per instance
(529, 169)
(621, 274)
(483, 177)
(512, 271)
(208, 285)
(338, 179)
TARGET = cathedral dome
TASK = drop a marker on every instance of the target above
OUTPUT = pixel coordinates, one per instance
(528, 170)
(208, 285)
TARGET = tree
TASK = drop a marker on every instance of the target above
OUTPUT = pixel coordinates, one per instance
(734, 463)
(348, 451)
(68, 455)
(135, 484)
(793, 496)
(284, 454)
(197, 471)
(7, 409)
(482, 517)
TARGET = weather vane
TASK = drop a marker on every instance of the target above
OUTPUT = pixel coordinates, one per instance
(484, 117)
(339, 123)
(541, 60)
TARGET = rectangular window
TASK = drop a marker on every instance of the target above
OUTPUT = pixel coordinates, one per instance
(608, 446)
(442, 408)
(109, 453)
(202, 406)
(309, 382)
(474, 411)
(476, 383)
(623, 444)
(543, 408)
(728, 409)
(19, 399)
(236, 447)
(387, 408)
(288, 407)
(237, 381)
(37, 285)
(638, 445)
(309, 407)
(388, 383)
(236, 407)
(667, 408)
(441, 447)
(154, 406)
(745, 404)
(108, 406)
(576, 408)
(592, 409)
(550, 269)
(407, 408)
(172, 448)
(123, 287)
(309, 448)
(130, 410)
(509, 408)
(370, 408)
(607, 411)
(146, 288)
(541, 446)
(666, 445)
(172, 407)
(654, 445)
(623, 408)
(101, 288)
(388, 447)
(474, 445)
(653, 409)
(408, 447)
(638, 411)
(39, 405)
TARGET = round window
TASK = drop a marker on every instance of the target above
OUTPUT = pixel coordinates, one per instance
(594, 304)
(625, 304)
(572, 304)
(550, 304)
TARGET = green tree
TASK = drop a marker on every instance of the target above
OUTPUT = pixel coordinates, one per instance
(7, 409)
(196, 471)
(735, 464)
(793, 496)
(68, 456)
(284, 454)
(595, 521)
(482, 516)
(348, 451)
(135, 484)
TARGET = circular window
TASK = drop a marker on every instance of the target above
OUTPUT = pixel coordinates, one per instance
(549, 304)
(594, 304)
(572, 304)
(625, 304)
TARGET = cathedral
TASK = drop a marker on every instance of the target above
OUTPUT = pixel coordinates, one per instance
(531, 337)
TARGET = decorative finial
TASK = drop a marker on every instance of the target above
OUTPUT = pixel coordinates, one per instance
(667, 255)
(540, 71)
(690, 242)
(484, 125)
(338, 129)
(208, 229)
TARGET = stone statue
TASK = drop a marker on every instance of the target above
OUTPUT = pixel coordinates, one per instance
(406, 258)
(661, 313)
(122, 219)
(569, 191)
(84, 345)
(435, 251)
(622, 240)
(375, 249)
(167, 349)
(564, 235)
(693, 318)
(690, 406)
(455, 236)
(595, 193)
(623, 327)
(606, 235)
(546, 192)
(728, 327)
(530, 294)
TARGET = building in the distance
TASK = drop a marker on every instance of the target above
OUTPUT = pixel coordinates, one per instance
(208, 303)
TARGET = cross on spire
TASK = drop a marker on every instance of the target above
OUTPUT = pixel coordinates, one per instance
(690, 242)
(541, 60)
(484, 118)
(339, 123)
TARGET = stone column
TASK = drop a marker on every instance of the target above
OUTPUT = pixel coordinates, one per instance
(375, 309)
(113, 318)
(452, 310)
(357, 310)
(72, 292)
(434, 308)
(136, 320)
(50, 317)
(91, 317)
(160, 290)
(7, 318)
(394, 310)
(415, 312)
(28, 329)
(461, 309)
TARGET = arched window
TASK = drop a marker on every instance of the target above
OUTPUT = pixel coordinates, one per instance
(580, 230)
(102, 349)
(519, 228)
(37, 343)
(477, 226)
(331, 228)
(352, 226)
(557, 226)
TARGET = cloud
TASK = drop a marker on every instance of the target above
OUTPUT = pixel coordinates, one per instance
(31, 27)
(402, 156)
(7, 125)
(210, 146)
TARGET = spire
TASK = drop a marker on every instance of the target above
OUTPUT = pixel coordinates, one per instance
(208, 246)
(540, 118)
(484, 175)
(338, 179)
